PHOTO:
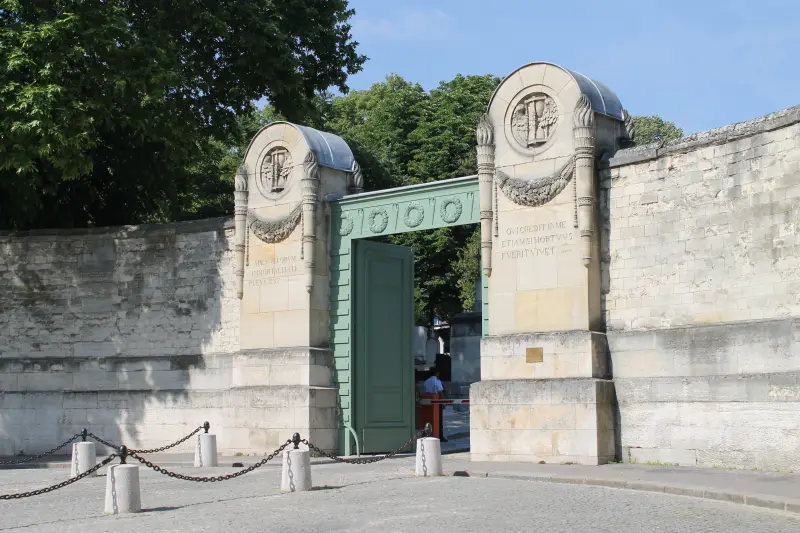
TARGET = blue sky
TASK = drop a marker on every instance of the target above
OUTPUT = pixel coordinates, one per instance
(702, 63)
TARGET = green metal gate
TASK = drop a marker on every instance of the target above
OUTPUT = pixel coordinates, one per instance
(384, 364)
(372, 304)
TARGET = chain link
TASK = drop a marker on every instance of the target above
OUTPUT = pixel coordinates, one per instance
(168, 446)
(29, 459)
(154, 450)
(211, 479)
(365, 460)
(101, 441)
(69, 481)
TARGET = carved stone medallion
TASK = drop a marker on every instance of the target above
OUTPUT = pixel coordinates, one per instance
(276, 168)
(534, 120)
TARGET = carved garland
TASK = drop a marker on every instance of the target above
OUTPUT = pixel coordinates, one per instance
(579, 169)
(538, 192)
(272, 231)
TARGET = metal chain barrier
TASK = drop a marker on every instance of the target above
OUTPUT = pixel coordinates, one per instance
(181, 441)
(367, 460)
(101, 441)
(205, 426)
(29, 459)
(70, 481)
(205, 479)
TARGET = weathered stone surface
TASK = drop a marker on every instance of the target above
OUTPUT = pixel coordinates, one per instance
(701, 276)
(130, 291)
(719, 349)
(134, 333)
(720, 244)
(550, 420)
(565, 355)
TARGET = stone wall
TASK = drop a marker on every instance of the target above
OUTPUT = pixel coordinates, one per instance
(556, 420)
(137, 291)
(701, 276)
(134, 333)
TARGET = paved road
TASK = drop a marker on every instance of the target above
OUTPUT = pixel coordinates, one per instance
(382, 497)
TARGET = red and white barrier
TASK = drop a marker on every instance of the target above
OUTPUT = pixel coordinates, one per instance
(428, 401)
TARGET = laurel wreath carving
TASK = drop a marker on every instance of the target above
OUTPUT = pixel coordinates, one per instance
(376, 224)
(272, 231)
(347, 225)
(414, 215)
(455, 215)
(537, 192)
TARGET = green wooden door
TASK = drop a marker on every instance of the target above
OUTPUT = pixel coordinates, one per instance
(384, 363)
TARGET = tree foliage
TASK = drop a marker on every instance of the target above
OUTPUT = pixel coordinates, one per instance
(109, 107)
(402, 135)
(650, 129)
(126, 111)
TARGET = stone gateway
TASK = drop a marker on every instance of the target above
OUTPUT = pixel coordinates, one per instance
(640, 302)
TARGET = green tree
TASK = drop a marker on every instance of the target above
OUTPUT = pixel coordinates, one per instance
(211, 173)
(650, 129)
(444, 140)
(378, 124)
(444, 147)
(108, 107)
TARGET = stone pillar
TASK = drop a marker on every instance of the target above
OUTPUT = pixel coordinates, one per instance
(310, 184)
(583, 134)
(240, 218)
(544, 393)
(284, 367)
(485, 153)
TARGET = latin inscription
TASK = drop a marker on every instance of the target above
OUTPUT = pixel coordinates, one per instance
(269, 272)
(536, 240)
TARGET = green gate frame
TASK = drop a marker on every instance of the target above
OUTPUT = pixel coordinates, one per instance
(453, 202)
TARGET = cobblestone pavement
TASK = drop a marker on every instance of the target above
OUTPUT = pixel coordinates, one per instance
(381, 497)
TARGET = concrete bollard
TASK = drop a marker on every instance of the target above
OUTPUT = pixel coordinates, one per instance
(296, 472)
(84, 457)
(122, 490)
(429, 457)
(205, 453)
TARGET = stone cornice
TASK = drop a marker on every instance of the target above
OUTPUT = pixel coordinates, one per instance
(715, 137)
(129, 232)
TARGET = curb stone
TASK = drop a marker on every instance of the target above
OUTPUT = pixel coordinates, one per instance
(763, 501)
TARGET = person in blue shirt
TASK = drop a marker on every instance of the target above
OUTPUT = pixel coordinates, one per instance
(433, 388)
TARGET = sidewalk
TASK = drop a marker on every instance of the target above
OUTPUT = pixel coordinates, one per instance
(771, 490)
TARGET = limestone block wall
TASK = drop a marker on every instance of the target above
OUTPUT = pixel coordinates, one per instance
(701, 294)
(550, 420)
(134, 333)
(254, 400)
(136, 291)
